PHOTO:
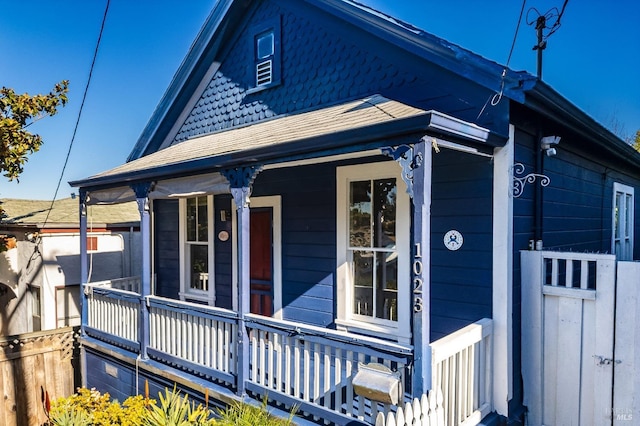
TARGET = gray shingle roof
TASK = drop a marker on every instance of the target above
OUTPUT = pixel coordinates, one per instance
(65, 212)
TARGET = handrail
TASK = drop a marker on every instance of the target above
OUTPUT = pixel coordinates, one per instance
(190, 307)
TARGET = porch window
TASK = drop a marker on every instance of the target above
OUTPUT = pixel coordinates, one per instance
(197, 248)
(373, 241)
(623, 212)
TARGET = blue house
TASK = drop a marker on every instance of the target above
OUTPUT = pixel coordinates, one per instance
(332, 201)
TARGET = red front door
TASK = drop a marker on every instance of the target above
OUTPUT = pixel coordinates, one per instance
(261, 250)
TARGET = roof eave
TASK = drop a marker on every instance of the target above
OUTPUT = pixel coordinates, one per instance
(546, 101)
(347, 141)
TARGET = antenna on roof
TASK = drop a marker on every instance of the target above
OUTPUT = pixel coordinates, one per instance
(547, 21)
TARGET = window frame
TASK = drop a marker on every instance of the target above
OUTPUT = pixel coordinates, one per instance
(186, 291)
(346, 318)
(628, 193)
(272, 26)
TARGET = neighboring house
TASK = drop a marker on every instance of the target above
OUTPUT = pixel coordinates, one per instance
(323, 186)
(40, 273)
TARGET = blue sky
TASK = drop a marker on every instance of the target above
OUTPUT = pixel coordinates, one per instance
(593, 60)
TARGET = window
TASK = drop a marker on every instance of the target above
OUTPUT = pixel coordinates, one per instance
(373, 249)
(36, 310)
(266, 54)
(196, 215)
(623, 212)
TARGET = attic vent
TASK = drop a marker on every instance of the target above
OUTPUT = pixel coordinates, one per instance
(264, 73)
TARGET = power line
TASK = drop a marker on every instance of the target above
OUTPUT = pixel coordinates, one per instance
(496, 97)
(84, 97)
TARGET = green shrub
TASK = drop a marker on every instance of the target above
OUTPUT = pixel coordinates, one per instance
(177, 410)
(243, 414)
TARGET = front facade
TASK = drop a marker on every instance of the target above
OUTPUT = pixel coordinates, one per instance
(323, 187)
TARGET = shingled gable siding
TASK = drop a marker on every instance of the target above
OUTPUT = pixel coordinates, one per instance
(308, 239)
(324, 61)
(461, 281)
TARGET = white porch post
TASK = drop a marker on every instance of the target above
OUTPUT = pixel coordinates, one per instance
(240, 180)
(84, 267)
(142, 191)
(503, 275)
(416, 173)
(421, 266)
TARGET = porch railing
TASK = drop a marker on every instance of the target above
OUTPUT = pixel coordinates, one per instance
(292, 363)
(312, 367)
(131, 284)
(461, 369)
(113, 315)
(196, 337)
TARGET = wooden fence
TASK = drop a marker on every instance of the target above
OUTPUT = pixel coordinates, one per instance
(31, 364)
(426, 411)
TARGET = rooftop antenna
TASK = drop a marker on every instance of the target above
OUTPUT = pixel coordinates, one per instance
(541, 24)
(546, 21)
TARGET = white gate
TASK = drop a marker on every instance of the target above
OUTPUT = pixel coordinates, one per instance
(568, 302)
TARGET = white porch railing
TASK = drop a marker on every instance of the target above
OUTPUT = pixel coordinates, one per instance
(113, 315)
(131, 284)
(293, 363)
(198, 337)
(461, 368)
(313, 366)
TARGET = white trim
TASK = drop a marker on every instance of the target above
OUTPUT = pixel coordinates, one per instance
(503, 275)
(186, 293)
(400, 330)
(234, 256)
(275, 203)
(625, 190)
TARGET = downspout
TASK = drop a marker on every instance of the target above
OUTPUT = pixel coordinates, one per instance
(538, 199)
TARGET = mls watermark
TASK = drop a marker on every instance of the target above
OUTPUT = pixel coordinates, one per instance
(621, 414)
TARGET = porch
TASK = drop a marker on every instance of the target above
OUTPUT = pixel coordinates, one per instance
(293, 364)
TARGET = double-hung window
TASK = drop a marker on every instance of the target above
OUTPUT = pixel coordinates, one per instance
(373, 250)
(197, 248)
(623, 211)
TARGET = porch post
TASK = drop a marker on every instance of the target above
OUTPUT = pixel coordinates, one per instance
(240, 180)
(142, 191)
(84, 267)
(502, 299)
(421, 254)
(416, 173)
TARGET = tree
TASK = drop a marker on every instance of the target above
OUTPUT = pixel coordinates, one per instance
(636, 142)
(17, 112)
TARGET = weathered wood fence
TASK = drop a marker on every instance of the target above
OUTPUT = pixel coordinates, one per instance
(31, 364)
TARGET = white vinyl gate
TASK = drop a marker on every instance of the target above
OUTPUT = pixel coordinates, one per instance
(580, 339)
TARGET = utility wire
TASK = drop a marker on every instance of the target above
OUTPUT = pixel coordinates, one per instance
(496, 97)
(84, 97)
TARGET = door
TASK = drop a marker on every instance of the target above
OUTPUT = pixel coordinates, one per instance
(261, 262)
(568, 360)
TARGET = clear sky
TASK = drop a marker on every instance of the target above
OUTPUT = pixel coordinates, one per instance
(593, 59)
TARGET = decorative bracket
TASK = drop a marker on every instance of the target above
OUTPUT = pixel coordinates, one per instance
(404, 155)
(241, 180)
(142, 195)
(520, 180)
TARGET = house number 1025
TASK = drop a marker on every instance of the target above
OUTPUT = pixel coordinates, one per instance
(417, 279)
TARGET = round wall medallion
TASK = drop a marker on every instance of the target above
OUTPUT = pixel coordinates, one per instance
(223, 235)
(453, 240)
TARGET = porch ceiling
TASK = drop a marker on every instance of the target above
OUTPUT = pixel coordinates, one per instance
(364, 120)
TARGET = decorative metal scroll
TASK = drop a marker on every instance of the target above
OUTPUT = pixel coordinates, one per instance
(520, 179)
(403, 154)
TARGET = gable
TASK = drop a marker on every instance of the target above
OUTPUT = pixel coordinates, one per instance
(324, 60)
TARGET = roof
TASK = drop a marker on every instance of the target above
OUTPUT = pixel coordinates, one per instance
(374, 118)
(65, 213)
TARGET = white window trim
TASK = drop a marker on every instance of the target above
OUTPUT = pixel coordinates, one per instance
(625, 190)
(400, 330)
(186, 292)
